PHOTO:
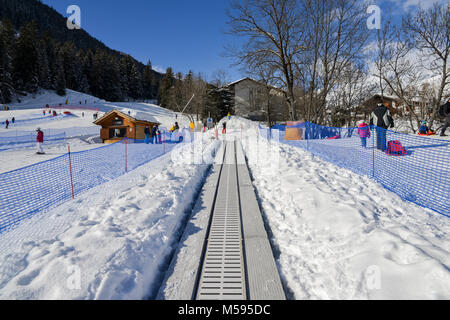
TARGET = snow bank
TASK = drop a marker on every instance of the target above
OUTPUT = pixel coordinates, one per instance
(111, 243)
(339, 235)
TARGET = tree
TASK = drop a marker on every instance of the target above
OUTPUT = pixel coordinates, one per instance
(430, 32)
(60, 85)
(25, 61)
(6, 50)
(166, 94)
(334, 37)
(148, 80)
(274, 33)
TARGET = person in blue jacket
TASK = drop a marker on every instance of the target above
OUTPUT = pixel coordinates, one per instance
(154, 135)
(147, 135)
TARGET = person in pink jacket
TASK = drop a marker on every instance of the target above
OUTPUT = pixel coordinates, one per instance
(364, 133)
(40, 141)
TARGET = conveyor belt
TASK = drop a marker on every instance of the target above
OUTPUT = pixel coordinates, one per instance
(223, 272)
(225, 253)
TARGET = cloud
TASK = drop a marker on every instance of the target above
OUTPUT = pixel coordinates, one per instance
(424, 4)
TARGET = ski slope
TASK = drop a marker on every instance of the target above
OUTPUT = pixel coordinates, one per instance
(335, 234)
(81, 133)
(117, 237)
(339, 235)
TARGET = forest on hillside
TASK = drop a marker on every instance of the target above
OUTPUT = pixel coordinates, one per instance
(37, 50)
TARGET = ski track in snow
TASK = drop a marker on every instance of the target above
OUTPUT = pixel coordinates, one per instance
(332, 228)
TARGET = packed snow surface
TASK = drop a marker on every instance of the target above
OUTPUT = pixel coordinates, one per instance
(111, 242)
(340, 235)
(335, 234)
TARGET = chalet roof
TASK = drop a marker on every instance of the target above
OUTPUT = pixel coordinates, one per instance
(134, 116)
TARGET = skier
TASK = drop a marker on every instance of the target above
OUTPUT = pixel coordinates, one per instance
(40, 141)
(364, 133)
(147, 135)
(444, 111)
(7, 123)
(13, 120)
(382, 119)
(224, 130)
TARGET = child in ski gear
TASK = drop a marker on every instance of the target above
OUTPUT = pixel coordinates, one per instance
(364, 133)
(224, 130)
(424, 130)
(39, 140)
(7, 123)
(158, 134)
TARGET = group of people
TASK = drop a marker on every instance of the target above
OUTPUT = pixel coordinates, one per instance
(153, 136)
(381, 118)
(13, 120)
(175, 127)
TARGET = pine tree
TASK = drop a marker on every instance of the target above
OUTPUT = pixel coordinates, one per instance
(44, 73)
(97, 70)
(6, 44)
(148, 80)
(60, 85)
(135, 84)
(25, 61)
(166, 95)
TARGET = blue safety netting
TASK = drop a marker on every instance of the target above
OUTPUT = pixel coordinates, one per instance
(414, 167)
(27, 191)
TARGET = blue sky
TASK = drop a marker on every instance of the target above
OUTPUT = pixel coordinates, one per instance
(181, 34)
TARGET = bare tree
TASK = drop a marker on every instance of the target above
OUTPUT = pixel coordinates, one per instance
(335, 37)
(274, 33)
(398, 71)
(431, 33)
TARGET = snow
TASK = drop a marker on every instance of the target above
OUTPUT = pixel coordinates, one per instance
(109, 243)
(339, 235)
(335, 234)
(81, 132)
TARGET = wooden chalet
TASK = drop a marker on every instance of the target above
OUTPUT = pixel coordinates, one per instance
(117, 125)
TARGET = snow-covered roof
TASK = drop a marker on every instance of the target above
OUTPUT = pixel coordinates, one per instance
(131, 114)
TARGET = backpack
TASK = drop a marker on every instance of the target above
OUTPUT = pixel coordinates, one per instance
(395, 148)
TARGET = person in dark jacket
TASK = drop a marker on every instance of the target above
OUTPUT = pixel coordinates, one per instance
(224, 130)
(382, 119)
(7, 123)
(154, 134)
(147, 135)
(445, 110)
